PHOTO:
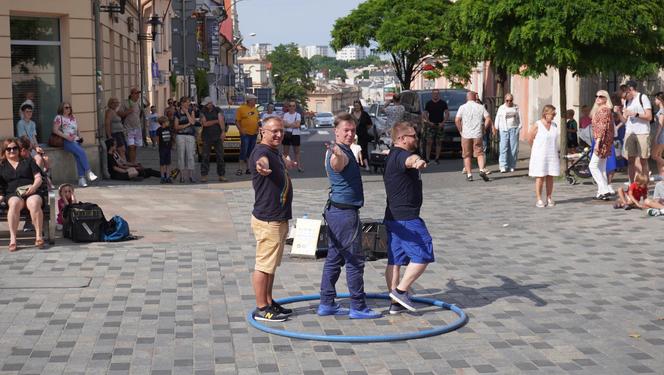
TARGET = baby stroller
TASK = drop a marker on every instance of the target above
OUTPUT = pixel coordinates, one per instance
(579, 166)
(378, 156)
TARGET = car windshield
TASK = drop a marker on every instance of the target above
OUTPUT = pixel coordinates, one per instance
(324, 114)
(453, 98)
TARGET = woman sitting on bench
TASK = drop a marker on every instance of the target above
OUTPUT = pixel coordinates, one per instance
(20, 183)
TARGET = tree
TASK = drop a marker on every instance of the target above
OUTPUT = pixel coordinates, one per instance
(290, 74)
(333, 67)
(408, 30)
(585, 37)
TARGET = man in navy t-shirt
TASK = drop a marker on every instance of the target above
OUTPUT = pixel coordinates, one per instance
(409, 241)
(269, 221)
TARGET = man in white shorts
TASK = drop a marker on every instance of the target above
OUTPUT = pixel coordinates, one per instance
(131, 117)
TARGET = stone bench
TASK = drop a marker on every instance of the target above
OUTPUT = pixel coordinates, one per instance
(63, 166)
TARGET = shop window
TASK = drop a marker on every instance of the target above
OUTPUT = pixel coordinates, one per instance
(36, 69)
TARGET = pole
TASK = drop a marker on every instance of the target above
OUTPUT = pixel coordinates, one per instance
(99, 67)
(141, 75)
(184, 50)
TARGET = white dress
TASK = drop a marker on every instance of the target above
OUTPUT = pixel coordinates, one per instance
(544, 152)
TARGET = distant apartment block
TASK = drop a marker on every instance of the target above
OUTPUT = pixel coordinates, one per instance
(352, 53)
(260, 49)
(311, 51)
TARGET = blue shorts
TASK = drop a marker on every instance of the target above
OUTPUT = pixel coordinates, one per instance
(408, 241)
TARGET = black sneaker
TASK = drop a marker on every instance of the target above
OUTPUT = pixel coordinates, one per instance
(396, 308)
(269, 315)
(469, 177)
(280, 309)
(484, 176)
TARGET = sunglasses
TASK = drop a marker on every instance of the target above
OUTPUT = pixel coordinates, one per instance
(600, 96)
(67, 107)
(12, 149)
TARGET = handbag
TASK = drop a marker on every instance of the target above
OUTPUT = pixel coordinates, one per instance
(55, 140)
(21, 190)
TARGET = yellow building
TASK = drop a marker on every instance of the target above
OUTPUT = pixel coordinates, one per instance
(47, 48)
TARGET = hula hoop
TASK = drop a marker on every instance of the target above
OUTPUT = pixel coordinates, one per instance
(458, 323)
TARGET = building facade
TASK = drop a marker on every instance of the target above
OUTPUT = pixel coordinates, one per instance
(332, 97)
(352, 53)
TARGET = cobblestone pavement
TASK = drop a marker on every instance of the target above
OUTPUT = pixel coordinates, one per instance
(577, 288)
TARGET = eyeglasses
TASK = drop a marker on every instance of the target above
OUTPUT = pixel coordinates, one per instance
(410, 135)
(278, 131)
(12, 149)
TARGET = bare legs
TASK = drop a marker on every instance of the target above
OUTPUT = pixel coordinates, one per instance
(539, 185)
(263, 283)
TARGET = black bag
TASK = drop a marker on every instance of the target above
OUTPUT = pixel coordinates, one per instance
(374, 240)
(83, 222)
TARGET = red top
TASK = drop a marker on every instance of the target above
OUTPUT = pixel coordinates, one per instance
(637, 191)
(603, 130)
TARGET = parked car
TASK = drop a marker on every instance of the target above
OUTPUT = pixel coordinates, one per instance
(231, 141)
(324, 120)
(414, 102)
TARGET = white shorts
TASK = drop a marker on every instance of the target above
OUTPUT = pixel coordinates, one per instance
(134, 137)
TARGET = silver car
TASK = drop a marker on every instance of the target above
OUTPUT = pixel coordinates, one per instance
(324, 120)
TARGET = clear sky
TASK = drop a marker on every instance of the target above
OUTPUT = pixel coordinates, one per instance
(304, 22)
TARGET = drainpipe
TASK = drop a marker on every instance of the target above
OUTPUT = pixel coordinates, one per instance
(99, 68)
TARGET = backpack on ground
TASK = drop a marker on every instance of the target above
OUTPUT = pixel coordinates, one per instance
(83, 222)
(117, 229)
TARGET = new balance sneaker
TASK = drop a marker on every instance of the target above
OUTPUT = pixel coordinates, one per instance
(654, 212)
(365, 313)
(269, 314)
(396, 308)
(336, 309)
(403, 299)
(280, 309)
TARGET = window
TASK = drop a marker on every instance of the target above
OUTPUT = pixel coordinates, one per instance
(36, 73)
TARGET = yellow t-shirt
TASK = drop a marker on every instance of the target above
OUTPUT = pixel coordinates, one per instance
(246, 118)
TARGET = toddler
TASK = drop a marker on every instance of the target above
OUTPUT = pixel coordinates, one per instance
(165, 141)
(67, 197)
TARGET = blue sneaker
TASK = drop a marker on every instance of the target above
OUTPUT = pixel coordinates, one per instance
(403, 299)
(366, 313)
(336, 309)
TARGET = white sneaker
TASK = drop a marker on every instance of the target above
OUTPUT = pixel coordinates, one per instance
(540, 204)
(91, 176)
(511, 169)
(550, 203)
(82, 182)
(503, 170)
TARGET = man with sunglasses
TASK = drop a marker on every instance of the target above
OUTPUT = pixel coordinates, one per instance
(409, 241)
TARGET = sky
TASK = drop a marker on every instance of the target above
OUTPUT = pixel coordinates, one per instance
(304, 22)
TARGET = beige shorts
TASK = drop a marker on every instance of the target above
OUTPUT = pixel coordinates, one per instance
(637, 146)
(471, 147)
(270, 239)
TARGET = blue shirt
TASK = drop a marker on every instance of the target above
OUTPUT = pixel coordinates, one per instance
(28, 129)
(346, 186)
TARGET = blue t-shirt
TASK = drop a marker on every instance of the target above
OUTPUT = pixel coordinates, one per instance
(274, 192)
(403, 187)
(26, 128)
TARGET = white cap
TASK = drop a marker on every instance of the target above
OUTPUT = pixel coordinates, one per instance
(207, 101)
(250, 97)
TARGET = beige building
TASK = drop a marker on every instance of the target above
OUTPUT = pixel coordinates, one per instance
(332, 98)
(47, 48)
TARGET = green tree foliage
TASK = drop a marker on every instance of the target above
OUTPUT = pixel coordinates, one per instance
(335, 68)
(202, 85)
(585, 37)
(290, 74)
(408, 30)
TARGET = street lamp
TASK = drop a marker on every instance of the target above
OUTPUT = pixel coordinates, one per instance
(154, 22)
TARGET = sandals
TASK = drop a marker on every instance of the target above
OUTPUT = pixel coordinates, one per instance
(12, 247)
(39, 244)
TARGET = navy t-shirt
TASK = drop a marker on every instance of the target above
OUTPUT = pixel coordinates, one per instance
(436, 110)
(165, 138)
(403, 187)
(274, 192)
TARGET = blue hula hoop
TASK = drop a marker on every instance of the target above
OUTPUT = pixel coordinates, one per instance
(458, 323)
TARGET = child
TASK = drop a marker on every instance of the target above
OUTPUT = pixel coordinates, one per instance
(67, 197)
(632, 197)
(572, 140)
(165, 141)
(154, 125)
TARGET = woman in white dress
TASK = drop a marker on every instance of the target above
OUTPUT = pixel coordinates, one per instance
(544, 163)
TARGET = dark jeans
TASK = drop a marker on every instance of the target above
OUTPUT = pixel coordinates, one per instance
(344, 247)
(363, 141)
(218, 145)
